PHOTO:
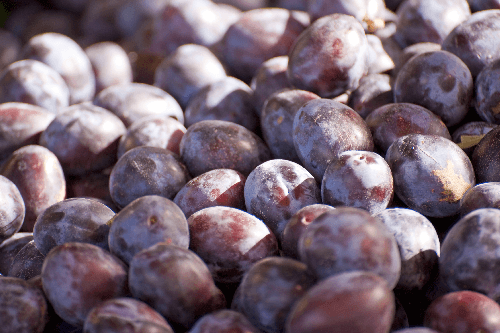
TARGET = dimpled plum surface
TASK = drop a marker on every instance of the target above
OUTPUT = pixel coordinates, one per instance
(219, 144)
(330, 56)
(125, 315)
(323, 129)
(12, 209)
(78, 276)
(359, 179)
(418, 244)
(470, 253)
(431, 174)
(356, 302)
(144, 222)
(39, 177)
(223, 321)
(229, 241)
(219, 187)
(73, 220)
(277, 189)
(175, 282)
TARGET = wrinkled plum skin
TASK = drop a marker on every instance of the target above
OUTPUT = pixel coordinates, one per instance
(27, 263)
(359, 179)
(175, 282)
(323, 129)
(349, 239)
(78, 276)
(438, 81)
(259, 35)
(374, 91)
(485, 195)
(12, 209)
(357, 302)
(125, 315)
(218, 144)
(23, 306)
(277, 189)
(68, 59)
(154, 131)
(330, 56)
(190, 68)
(229, 241)
(144, 222)
(276, 121)
(22, 125)
(462, 312)
(223, 321)
(470, 255)
(10, 247)
(39, 177)
(146, 171)
(392, 121)
(468, 135)
(485, 157)
(431, 174)
(33, 82)
(296, 226)
(418, 244)
(132, 101)
(269, 290)
(229, 99)
(473, 41)
(73, 220)
(84, 137)
(487, 91)
(219, 187)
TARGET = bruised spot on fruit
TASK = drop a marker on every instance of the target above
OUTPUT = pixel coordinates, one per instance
(447, 82)
(454, 186)
(152, 220)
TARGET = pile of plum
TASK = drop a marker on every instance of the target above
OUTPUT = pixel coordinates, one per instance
(247, 166)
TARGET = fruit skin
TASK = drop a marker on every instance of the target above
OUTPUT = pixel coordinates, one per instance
(487, 92)
(357, 302)
(329, 57)
(470, 134)
(431, 174)
(484, 195)
(223, 321)
(12, 209)
(27, 263)
(485, 157)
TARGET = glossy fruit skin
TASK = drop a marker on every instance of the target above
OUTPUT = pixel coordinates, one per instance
(24, 308)
(84, 137)
(296, 226)
(277, 189)
(144, 222)
(223, 321)
(219, 144)
(349, 239)
(33, 82)
(439, 81)
(431, 174)
(146, 171)
(330, 56)
(360, 179)
(218, 187)
(470, 253)
(73, 220)
(229, 241)
(487, 92)
(484, 158)
(270, 289)
(27, 263)
(473, 40)
(10, 247)
(132, 101)
(78, 276)
(175, 282)
(12, 209)
(470, 134)
(259, 35)
(394, 120)
(484, 195)
(63, 54)
(356, 302)
(125, 314)
(463, 311)
(418, 244)
(276, 121)
(323, 129)
(39, 177)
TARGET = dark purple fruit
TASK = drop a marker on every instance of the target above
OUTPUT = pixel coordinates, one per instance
(27, 263)
(12, 209)
(10, 247)
(374, 91)
(470, 134)
(484, 195)
(223, 321)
